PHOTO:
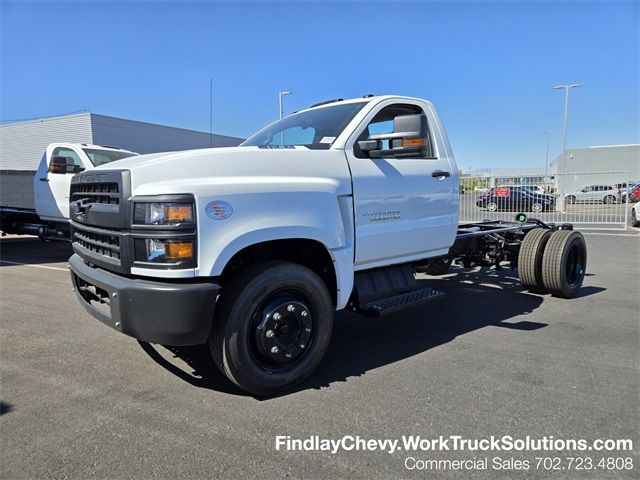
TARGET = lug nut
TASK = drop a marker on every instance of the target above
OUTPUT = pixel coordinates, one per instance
(307, 330)
(288, 355)
(277, 316)
(269, 334)
(304, 313)
(302, 345)
(275, 350)
(291, 308)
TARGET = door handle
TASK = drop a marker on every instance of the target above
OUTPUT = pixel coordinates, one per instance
(43, 179)
(440, 173)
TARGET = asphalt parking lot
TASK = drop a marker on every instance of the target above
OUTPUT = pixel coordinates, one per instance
(82, 401)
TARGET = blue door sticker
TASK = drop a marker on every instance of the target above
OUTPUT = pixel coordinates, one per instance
(218, 210)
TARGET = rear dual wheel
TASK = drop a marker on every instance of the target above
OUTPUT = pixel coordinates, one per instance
(553, 262)
(564, 263)
(272, 327)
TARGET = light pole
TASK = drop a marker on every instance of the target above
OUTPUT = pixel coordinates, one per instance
(566, 88)
(281, 112)
(546, 163)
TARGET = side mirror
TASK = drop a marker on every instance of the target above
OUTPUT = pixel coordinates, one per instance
(410, 138)
(64, 165)
(58, 165)
(368, 145)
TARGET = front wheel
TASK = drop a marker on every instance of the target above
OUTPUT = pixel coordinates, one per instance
(609, 199)
(537, 207)
(272, 327)
(492, 206)
(570, 200)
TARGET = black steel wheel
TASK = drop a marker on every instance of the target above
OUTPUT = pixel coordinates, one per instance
(564, 263)
(530, 259)
(272, 326)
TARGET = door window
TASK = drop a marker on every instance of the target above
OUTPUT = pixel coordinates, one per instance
(383, 123)
(71, 155)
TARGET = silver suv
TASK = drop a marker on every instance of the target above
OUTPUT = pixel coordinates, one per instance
(593, 193)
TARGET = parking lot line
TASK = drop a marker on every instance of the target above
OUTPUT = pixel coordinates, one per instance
(610, 234)
(32, 265)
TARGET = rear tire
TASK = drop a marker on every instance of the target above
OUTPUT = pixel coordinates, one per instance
(492, 206)
(564, 263)
(530, 259)
(272, 327)
(609, 199)
(570, 200)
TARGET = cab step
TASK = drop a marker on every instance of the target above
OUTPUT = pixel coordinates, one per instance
(400, 302)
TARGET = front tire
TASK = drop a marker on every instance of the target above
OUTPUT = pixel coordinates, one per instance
(570, 200)
(272, 327)
(492, 207)
(609, 199)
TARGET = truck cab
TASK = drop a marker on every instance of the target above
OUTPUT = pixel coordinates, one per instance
(58, 164)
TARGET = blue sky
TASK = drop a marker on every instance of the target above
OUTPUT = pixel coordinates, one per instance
(489, 67)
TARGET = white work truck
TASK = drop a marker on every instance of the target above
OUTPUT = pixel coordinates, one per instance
(253, 248)
(39, 204)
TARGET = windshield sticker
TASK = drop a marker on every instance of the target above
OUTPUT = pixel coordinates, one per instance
(327, 139)
(218, 210)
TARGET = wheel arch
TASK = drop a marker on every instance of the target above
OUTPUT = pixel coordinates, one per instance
(304, 251)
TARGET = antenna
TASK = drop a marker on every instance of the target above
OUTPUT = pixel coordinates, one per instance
(210, 112)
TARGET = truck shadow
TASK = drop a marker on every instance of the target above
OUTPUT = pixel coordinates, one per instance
(360, 344)
(33, 251)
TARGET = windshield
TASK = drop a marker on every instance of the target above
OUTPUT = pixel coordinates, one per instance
(316, 129)
(100, 157)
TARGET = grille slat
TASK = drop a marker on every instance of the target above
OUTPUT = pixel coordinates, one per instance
(100, 241)
(103, 192)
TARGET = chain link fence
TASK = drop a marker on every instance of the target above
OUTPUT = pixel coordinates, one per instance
(587, 200)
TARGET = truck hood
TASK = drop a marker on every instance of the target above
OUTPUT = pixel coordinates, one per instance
(236, 169)
(139, 161)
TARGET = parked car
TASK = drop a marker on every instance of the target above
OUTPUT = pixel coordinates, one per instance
(593, 193)
(516, 199)
(624, 190)
(635, 215)
(634, 195)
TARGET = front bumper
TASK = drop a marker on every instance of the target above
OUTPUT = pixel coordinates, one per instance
(169, 313)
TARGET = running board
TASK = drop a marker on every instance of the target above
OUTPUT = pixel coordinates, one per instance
(400, 302)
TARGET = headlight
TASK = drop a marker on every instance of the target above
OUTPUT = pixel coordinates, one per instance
(167, 251)
(163, 213)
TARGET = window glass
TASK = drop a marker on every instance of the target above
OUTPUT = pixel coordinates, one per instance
(71, 155)
(316, 128)
(299, 135)
(100, 157)
(383, 123)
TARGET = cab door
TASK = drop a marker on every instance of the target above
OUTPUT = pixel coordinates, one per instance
(405, 208)
(51, 186)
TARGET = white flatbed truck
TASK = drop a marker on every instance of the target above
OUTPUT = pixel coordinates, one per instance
(253, 248)
(37, 203)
